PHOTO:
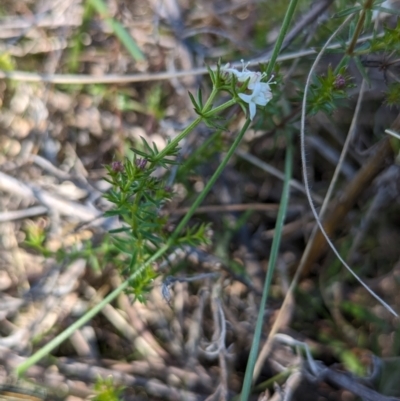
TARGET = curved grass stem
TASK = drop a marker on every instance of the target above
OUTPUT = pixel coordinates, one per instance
(305, 177)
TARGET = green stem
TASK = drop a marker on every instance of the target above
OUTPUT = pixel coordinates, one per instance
(210, 100)
(220, 108)
(210, 183)
(282, 34)
(248, 378)
(359, 27)
(20, 369)
(161, 155)
(190, 127)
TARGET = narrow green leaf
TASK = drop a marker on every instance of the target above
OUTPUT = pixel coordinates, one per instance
(388, 10)
(248, 379)
(119, 31)
(347, 12)
(155, 148)
(212, 75)
(119, 230)
(195, 105)
(146, 145)
(200, 98)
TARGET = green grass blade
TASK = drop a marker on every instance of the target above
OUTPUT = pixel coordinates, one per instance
(248, 378)
(120, 32)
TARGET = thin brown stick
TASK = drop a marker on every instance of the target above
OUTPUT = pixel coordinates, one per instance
(382, 157)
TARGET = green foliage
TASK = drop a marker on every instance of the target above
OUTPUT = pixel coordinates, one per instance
(139, 197)
(35, 238)
(326, 91)
(393, 94)
(6, 62)
(390, 41)
(97, 256)
(106, 390)
(154, 100)
(352, 362)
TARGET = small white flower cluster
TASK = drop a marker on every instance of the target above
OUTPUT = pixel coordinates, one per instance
(260, 91)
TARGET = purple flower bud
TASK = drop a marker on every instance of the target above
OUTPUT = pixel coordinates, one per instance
(340, 82)
(117, 166)
(141, 163)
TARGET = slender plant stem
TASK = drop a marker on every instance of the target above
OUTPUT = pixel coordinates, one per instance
(178, 138)
(220, 108)
(285, 307)
(248, 378)
(55, 342)
(207, 113)
(359, 27)
(282, 34)
(305, 176)
(22, 368)
(210, 183)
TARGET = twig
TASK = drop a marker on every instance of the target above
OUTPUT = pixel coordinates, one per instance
(382, 157)
(22, 214)
(83, 79)
(344, 380)
(135, 319)
(207, 261)
(117, 320)
(33, 192)
(221, 392)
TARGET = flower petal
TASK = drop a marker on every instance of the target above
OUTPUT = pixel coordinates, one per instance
(245, 98)
(252, 109)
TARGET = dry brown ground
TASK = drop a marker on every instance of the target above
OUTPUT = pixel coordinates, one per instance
(55, 139)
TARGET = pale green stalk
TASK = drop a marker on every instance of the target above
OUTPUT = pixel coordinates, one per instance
(110, 297)
(282, 34)
(248, 378)
(212, 181)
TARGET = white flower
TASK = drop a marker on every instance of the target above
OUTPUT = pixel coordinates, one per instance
(244, 75)
(260, 91)
(261, 94)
